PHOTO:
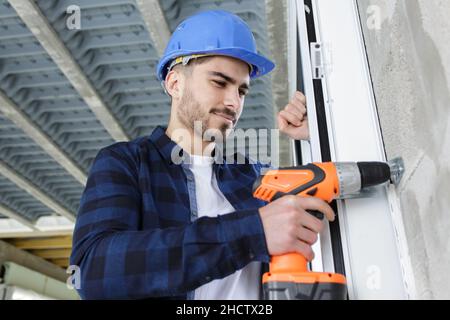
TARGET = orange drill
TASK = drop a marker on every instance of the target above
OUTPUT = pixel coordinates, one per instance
(288, 277)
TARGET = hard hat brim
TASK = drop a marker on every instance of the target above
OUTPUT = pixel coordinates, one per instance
(261, 65)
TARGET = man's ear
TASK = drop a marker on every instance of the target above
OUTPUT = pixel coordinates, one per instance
(174, 84)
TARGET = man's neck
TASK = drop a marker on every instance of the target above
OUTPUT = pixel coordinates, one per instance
(190, 141)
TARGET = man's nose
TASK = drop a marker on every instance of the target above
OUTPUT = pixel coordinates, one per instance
(233, 100)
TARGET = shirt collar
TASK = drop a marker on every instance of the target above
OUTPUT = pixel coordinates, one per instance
(163, 143)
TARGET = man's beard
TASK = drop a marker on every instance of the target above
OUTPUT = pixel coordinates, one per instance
(190, 111)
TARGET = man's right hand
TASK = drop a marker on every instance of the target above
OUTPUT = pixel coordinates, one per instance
(288, 227)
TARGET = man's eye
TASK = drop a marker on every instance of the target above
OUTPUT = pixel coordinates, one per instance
(243, 92)
(219, 83)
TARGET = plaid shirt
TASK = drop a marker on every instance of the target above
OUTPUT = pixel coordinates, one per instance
(137, 235)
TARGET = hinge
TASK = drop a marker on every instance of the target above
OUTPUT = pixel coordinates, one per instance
(320, 60)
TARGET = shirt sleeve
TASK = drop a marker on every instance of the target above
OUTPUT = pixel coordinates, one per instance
(117, 260)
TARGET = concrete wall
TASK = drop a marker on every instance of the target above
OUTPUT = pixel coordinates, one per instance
(408, 43)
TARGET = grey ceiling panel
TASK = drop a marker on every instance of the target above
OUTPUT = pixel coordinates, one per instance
(21, 202)
(29, 161)
(35, 84)
(115, 51)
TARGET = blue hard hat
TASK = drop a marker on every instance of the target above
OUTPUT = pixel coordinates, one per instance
(214, 32)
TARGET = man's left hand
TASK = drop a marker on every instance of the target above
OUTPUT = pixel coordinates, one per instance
(293, 119)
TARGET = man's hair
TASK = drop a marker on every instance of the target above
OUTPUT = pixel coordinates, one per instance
(187, 69)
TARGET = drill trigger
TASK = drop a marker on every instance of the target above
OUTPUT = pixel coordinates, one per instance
(317, 214)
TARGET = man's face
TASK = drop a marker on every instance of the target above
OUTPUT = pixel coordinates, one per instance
(214, 94)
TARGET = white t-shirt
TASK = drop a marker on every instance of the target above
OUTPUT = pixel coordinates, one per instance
(243, 284)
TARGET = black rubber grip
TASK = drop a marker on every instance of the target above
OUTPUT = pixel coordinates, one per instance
(373, 173)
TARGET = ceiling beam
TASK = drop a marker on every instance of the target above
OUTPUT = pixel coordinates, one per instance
(34, 191)
(64, 242)
(52, 253)
(35, 234)
(38, 24)
(20, 119)
(10, 253)
(61, 262)
(5, 211)
(155, 20)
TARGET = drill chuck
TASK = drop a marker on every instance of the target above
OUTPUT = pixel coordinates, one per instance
(355, 176)
(373, 173)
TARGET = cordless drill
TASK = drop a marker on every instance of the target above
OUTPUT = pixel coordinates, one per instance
(288, 277)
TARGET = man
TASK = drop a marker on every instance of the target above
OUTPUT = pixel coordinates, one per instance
(150, 225)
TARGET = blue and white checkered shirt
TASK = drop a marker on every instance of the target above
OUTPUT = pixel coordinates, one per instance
(137, 235)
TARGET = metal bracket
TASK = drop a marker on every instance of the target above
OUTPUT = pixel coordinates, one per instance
(320, 60)
(317, 61)
(397, 170)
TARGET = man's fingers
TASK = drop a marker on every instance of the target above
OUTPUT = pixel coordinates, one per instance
(305, 250)
(296, 110)
(311, 222)
(312, 203)
(299, 104)
(307, 236)
(290, 118)
(300, 97)
(282, 123)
